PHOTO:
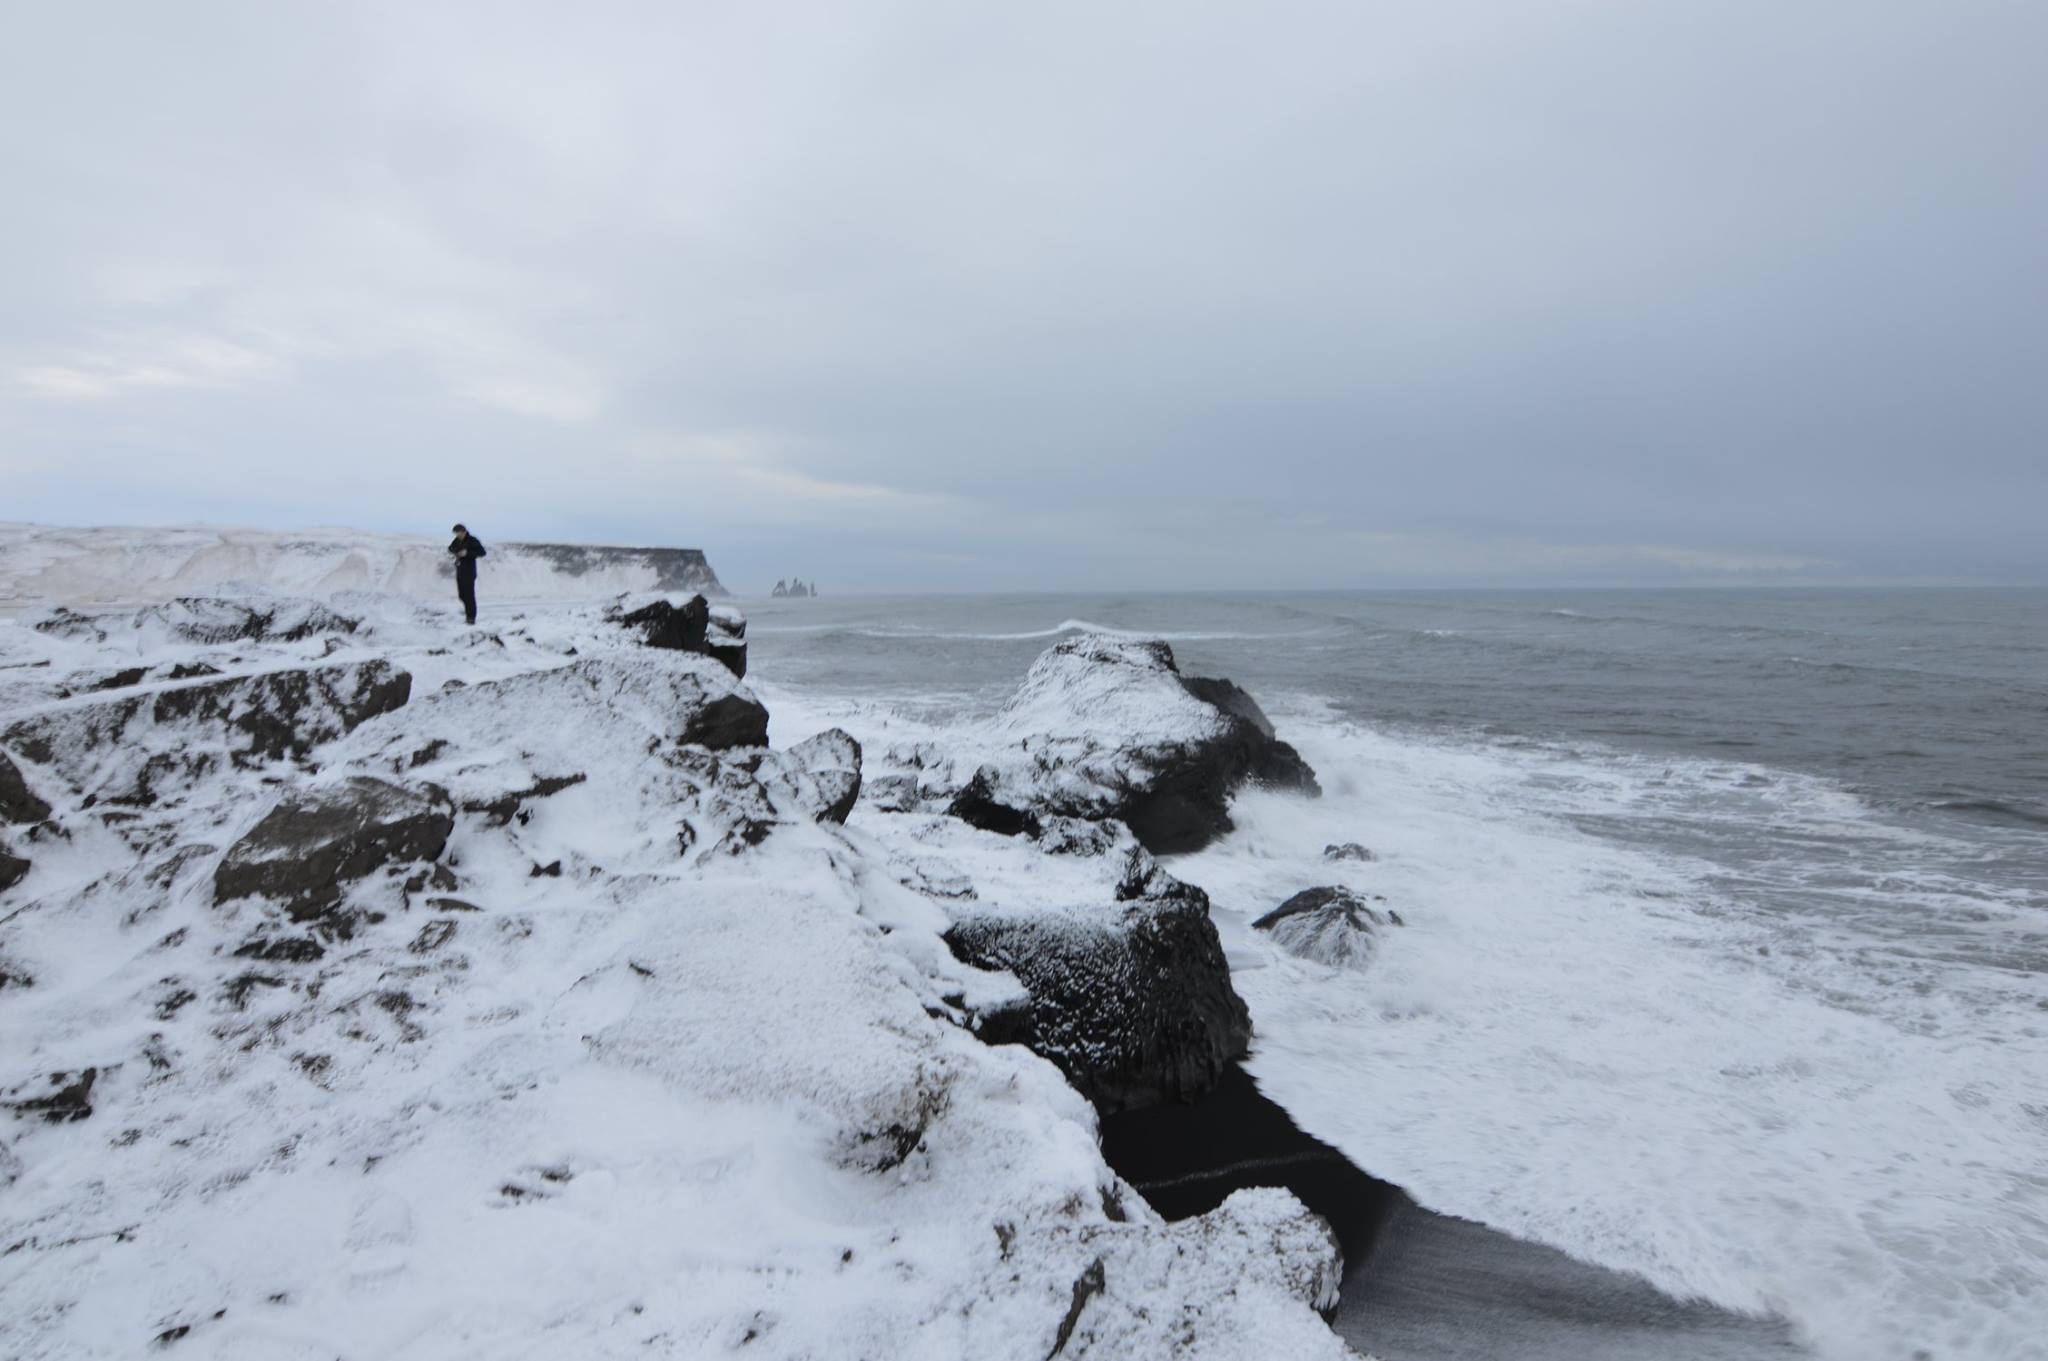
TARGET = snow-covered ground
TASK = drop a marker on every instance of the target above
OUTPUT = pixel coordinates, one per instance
(43, 563)
(642, 1054)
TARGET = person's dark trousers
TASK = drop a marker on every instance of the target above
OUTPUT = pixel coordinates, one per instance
(465, 586)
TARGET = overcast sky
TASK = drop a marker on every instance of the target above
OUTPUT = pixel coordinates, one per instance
(1107, 295)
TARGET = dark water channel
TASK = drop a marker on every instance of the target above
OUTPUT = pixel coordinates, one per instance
(1420, 1286)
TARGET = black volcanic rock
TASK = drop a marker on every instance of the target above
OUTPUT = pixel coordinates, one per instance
(977, 806)
(1329, 925)
(693, 626)
(13, 869)
(18, 803)
(1349, 850)
(678, 628)
(1109, 728)
(316, 841)
(1133, 1002)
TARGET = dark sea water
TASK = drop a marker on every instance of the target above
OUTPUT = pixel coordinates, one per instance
(1730, 969)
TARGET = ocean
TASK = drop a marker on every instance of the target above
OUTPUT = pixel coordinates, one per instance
(1725, 962)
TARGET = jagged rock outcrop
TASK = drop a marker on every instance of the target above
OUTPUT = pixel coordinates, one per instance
(1349, 850)
(314, 842)
(143, 748)
(1132, 1001)
(1109, 728)
(692, 626)
(1330, 925)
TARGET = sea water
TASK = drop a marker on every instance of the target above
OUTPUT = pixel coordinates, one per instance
(1725, 961)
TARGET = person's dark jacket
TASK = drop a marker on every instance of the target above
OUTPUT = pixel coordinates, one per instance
(466, 551)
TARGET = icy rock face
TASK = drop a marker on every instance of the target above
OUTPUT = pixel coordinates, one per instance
(1132, 1001)
(1333, 926)
(145, 748)
(692, 626)
(13, 869)
(1109, 728)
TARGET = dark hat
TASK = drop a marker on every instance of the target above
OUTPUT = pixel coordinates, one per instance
(457, 530)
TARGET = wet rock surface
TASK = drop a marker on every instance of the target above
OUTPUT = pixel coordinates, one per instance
(1330, 925)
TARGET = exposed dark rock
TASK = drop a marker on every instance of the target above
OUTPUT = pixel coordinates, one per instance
(13, 869)
(1079, 836)
(693, 626)
(678, 628)
(14, 976)
(67, 1099)
(501, 810)
(1349, 850)
(1329, 925)
(161, 737)
(18, 803)
(734, 719)
(832, 762)
(977, 806)
(283, 949)
(1187, 1160)
(118, 680)
(726, 639)
(315, 841)
(1134, 1004)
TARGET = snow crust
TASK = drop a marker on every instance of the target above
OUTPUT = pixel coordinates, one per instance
(629, 1085)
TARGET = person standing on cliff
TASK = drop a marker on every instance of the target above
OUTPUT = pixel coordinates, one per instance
(466, 549)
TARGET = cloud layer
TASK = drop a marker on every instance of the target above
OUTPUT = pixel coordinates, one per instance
(929, 295)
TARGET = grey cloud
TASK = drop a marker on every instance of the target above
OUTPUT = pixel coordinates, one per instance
(922, 294)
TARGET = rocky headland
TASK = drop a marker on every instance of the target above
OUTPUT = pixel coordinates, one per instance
(375, 985)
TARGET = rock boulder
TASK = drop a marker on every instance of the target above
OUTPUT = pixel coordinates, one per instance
(1109, 728)
(18, 803)
(316, 841)
(1330, 925)
(1132, 1001)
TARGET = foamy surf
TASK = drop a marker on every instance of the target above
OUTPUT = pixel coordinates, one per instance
(1602, 1047)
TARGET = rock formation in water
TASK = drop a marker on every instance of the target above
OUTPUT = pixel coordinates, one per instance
(1109, 728)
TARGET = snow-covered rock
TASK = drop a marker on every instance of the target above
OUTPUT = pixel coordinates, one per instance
(144, 748)
(548, 1012)
(1109, 728)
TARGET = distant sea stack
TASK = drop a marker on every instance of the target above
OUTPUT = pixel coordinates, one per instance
(45, 564)
(794, 588)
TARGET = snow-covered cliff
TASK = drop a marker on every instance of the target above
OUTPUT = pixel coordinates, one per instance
(49, 564)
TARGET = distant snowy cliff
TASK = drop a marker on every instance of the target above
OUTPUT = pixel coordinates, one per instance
(42, 563)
